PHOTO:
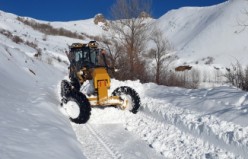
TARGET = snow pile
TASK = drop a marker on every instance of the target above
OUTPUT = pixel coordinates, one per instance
(30, 124)
(217, 116)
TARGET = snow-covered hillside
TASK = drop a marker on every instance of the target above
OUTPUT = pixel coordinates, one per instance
(171, 123)
(31, 125)
(214, 31)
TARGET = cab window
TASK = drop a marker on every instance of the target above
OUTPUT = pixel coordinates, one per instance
(78, 55)
(93, 56)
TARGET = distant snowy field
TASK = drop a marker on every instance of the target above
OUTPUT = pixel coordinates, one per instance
(172, 122)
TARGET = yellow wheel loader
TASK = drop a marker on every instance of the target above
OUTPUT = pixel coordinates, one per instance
(90, 82)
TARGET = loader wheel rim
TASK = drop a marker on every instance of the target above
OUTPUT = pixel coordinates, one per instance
(130, 95)
(72, 109)
(127, 105)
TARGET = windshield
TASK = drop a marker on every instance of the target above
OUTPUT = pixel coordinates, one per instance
(85, 56)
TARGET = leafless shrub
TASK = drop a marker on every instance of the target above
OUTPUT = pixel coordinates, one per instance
(209, 60)
(193, 80)
(205, 77)
(31, 44)
(9, 35)
(187, 79)
(245, 85)
(38, 54)
(48, 29)
(238, 76)
(17, 39)
(6, 33)
(170, 78)
(218, 75)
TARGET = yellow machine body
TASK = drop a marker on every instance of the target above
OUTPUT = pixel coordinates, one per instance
(101, 81)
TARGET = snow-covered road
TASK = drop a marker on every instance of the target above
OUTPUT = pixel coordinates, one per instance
(106, 136)
(172, 123)
(112, 133)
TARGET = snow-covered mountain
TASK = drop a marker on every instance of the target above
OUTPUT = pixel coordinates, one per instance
(172, 122)
(214, 31)
(196, 33)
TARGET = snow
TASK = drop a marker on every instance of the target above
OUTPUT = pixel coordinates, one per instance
(171, 123)
(83, 26)
(214, 31)
(31, 126)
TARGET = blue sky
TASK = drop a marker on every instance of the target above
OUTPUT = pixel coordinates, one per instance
(62, 10)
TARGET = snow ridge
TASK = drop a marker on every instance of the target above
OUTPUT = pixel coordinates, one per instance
(205, 127)
(170, 141)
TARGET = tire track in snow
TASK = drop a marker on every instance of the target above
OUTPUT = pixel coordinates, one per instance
(93, 144)
(105, 136)
(109, 148)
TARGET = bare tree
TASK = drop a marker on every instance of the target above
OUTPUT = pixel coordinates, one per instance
(129, 31)
(160, 52)
(114, 54)
(113, 48)
(245, 87)
(238, 76)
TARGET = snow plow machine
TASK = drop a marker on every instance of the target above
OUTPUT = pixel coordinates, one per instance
(89, 83)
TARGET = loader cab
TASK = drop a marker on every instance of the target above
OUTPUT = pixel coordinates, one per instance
(84, 55)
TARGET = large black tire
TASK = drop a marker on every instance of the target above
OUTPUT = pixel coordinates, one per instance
(127, 91)
(66, 88)
(84, 107)
(69, 94)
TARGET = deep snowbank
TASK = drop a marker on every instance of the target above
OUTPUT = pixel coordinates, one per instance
(217, 115)
(31, 124)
